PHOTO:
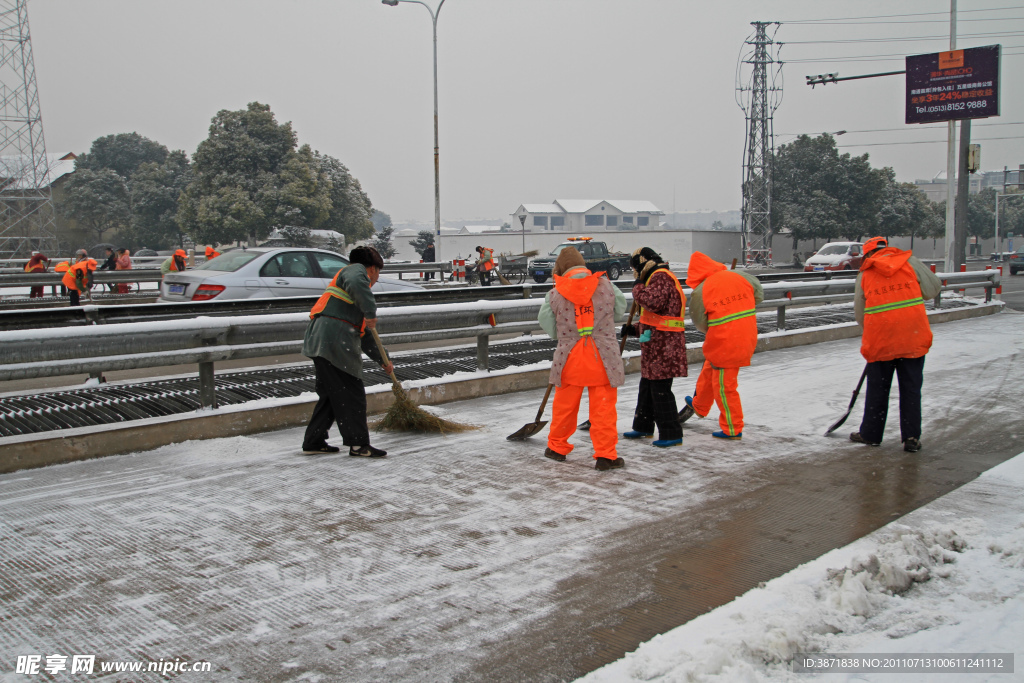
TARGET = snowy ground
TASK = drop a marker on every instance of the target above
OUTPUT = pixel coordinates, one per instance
(946, 579)
(425, 565)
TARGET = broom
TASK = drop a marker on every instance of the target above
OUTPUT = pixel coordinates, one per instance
(404, 415)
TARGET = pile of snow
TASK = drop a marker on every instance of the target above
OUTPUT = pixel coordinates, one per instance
(948, 578)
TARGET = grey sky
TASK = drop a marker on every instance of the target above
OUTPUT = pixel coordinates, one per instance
(539, 99)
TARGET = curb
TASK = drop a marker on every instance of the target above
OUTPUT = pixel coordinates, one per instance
(69, 445)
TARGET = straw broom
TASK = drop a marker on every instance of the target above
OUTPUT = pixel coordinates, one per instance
(406, 416)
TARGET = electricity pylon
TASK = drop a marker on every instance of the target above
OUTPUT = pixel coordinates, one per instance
(758, 94)
(26, 206)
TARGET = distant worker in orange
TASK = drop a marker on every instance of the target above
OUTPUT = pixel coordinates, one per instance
(78, 278)
(62, 267)
(176, 262)
(888, 301)
(580, 312)
(484, 265)
(211, 253)
(36, 264)
(722, 305)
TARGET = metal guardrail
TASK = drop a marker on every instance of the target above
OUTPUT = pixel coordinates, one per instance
(50, 352)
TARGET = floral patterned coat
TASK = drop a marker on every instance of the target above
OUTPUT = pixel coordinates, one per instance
(665, 355)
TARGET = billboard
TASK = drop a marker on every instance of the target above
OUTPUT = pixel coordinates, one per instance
(959, 84)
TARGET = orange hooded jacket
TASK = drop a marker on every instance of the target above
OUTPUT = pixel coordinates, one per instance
(895, 322)
(729, 301)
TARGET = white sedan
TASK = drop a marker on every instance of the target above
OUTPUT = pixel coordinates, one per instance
(263, 272)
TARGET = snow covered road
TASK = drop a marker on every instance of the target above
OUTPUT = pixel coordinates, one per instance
(470, 557)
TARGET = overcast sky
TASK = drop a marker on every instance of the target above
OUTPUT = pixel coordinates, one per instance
(539, 99)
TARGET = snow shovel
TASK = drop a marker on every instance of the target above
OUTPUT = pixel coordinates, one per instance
(585, 426)
(531, 428)
(840, 421)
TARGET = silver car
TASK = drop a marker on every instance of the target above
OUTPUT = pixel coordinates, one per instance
(261, 273)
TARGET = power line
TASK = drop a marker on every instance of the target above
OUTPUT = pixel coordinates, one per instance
(1013, 34)
(925, 142)
(884, 23)
(890, 57)
(895, 16)
(919, 127)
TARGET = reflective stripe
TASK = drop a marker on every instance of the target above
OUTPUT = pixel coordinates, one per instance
(339, 293)
(720, 376)
(666, 323)
(731, 318)
(585, 331)
(882, 308)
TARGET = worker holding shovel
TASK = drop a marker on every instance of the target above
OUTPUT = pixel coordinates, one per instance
(339, 329)
(580, 312)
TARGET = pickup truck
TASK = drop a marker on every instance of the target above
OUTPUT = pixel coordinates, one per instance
(594, 253)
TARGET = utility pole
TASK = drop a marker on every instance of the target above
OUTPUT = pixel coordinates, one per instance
(27, 220)
(951, 263)
(759, 99)
(962, 196)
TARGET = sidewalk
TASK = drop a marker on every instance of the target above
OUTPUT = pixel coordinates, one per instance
(470, 557)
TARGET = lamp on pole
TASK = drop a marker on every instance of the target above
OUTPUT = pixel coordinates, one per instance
(437, 166)
(522, 222)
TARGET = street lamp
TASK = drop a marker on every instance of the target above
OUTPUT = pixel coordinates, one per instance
(522, 222)
(437, 166)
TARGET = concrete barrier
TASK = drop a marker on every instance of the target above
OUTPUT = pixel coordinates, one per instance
(50, 448)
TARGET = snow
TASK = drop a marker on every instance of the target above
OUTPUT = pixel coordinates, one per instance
(947, 578)
(240, 551)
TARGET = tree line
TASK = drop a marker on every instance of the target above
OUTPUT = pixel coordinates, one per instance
(820, 195)
(247, 178)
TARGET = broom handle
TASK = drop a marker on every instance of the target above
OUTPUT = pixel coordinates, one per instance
(632, 312)
(383, 353)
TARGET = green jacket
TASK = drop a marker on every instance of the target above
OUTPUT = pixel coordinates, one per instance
(334, 334)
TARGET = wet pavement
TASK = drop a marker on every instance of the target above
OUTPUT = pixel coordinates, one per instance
(468, 558)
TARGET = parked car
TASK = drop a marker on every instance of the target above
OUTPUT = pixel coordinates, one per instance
(1017, 261)
(836, 256)
(595, 254)
(263, 272)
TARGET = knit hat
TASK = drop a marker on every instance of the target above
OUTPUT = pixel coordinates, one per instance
(643, 262)
(568, 258)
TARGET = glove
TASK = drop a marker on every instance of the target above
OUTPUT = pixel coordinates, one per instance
(630, 331)
(645, 337)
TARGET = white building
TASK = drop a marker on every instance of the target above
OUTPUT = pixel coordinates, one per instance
(587, 215)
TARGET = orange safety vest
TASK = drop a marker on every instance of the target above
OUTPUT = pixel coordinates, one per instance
(336, 292)
(732, 319)
(78, 271)
(666, 323)
(61, 267)
(487, 259)
(895, 321)
(39, 267)
(211, 253)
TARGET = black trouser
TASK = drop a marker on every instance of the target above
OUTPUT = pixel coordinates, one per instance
(342, 400)
(656, 405)
(73, 293)
(910, 373)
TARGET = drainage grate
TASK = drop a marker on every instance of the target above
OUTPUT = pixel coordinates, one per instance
(103, 404)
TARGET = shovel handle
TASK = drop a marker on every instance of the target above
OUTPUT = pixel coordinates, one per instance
(544, 403)
(629, 321)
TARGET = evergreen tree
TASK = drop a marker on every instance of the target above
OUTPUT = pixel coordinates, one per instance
(424, 238)
(97, 200)
(382, 242)
(235, 193)
(154, 190)
(380, 220)
(351, 212)
(122, 153)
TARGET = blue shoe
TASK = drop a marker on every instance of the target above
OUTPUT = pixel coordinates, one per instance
(666, 443)
(633, 434)
(731, 437)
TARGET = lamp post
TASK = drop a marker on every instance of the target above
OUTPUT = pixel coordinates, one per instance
(522, 222)
(437, 165)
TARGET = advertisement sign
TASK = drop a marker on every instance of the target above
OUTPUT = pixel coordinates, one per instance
(949, 86)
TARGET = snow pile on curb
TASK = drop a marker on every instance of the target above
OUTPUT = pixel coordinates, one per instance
(934, 582)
